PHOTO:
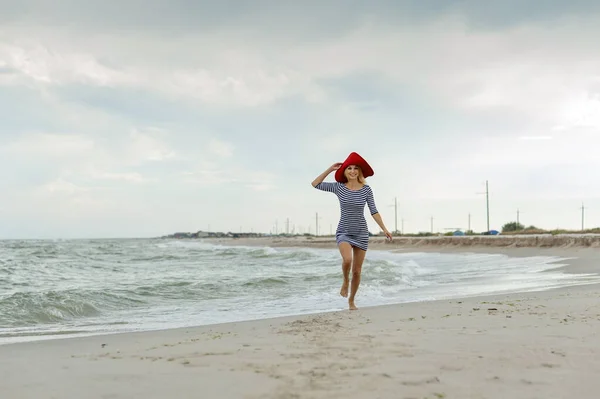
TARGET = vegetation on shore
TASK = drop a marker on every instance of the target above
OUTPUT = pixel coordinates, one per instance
(518, 228)
(510, 228)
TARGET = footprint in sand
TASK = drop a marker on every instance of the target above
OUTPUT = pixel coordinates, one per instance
(432, 380)
(451, 368)
(550, 365)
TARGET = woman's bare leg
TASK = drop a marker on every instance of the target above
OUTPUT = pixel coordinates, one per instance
(346, 252)
(357, 261)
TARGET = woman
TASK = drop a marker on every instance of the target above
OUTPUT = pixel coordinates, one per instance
(352, 234)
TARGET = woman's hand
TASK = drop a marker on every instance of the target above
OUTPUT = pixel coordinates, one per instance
(335, 166)
(388, 234)
(323, 175)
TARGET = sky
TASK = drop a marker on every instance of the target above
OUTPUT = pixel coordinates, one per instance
(144, 118)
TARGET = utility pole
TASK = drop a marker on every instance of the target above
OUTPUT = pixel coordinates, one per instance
(395, 215)
(582, 215)
(518, 221)
(487, 202)
(469, 228)
(317, 224)
(432, 225)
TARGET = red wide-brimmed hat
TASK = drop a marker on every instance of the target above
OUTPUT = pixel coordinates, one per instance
(353, 159)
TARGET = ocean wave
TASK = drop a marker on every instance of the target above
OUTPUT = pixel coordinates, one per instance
(265, 282)
(157, 258)
(321, 277)
(182, 290)
(247, 251)
(31, 308)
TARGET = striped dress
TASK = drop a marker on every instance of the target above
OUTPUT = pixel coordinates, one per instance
(352, 227)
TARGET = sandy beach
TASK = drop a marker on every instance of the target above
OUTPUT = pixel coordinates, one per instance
(529, 345)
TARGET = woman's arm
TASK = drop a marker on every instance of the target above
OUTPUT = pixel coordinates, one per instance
(379, 221)
(323, 175)
(375, 213)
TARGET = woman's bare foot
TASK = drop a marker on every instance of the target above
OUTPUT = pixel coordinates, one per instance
(344, 290)
(351, 305)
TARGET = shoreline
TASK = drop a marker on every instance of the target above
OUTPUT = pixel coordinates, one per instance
(40, 338)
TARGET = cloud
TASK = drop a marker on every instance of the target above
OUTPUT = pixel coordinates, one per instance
(74, 164)
(260, 187)
(208, 177)
(252, 88)
(132, 177)
(220, 148)
(141, 145)
(49, 145)
(516, 69)
(65, 199)
(535, 138)
(158, 114)
(310, 19)
(147, 145)
(236, 82)
(581, 111)
(40, 64)
(62, 186)
(248, 178)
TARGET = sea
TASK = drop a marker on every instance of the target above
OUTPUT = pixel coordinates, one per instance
(65, 288)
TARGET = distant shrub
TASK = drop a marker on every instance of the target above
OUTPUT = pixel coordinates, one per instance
(512, 226)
